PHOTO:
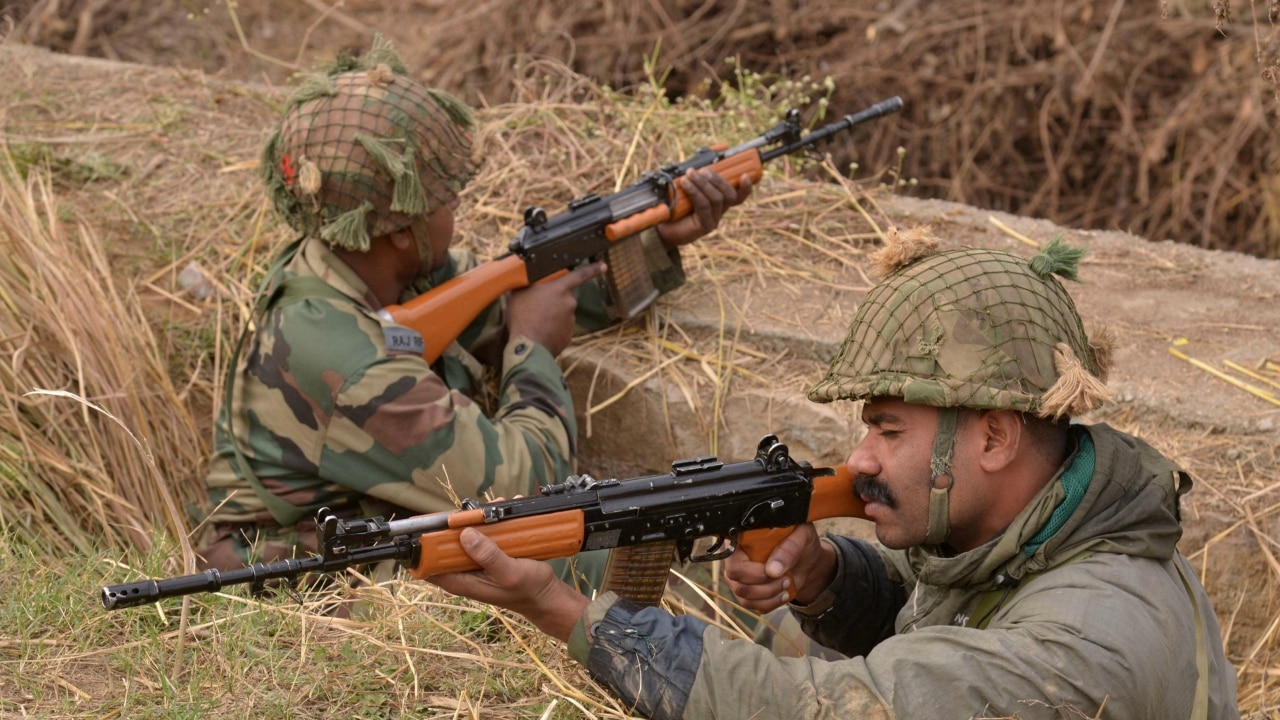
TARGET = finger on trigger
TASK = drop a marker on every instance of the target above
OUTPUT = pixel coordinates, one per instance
(584, 273)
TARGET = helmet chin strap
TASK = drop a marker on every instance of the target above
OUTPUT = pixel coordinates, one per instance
(422, 239)
(940, 478)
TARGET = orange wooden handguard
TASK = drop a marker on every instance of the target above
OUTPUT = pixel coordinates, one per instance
(633, 224)
(731, 168)
(541, 537)
(833, 497)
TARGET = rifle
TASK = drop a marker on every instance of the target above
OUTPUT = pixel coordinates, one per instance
(752, 505)
(592, 226)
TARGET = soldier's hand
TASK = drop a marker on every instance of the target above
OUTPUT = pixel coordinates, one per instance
(543, 312)
(528, 587)
(801, 563)
(710, 195)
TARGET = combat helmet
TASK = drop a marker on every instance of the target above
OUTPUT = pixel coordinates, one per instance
(969, 328)
(363, 150)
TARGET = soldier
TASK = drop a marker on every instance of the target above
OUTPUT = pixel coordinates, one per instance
(327, 404)
(1025, 565)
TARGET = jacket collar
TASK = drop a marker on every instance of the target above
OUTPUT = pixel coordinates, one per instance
(317, 260)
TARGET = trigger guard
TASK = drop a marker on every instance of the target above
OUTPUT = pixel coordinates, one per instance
(722, 548)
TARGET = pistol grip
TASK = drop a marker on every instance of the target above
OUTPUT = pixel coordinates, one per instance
(759, 544)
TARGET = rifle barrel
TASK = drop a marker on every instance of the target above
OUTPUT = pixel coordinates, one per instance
(884, 107)
(142, 592)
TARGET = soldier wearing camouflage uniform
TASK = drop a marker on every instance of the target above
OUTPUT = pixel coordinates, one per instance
(330, 404)
(1025, 565)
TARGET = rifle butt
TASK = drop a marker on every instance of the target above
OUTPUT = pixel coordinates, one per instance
(442, 313)
(832, 497)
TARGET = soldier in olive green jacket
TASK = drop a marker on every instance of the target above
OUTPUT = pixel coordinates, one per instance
(329, 403)
(1026, 566)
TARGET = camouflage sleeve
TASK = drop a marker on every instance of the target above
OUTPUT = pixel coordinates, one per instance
(399, 434)
(391, 428)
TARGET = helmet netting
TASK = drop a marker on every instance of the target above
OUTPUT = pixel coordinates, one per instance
(362, 152)
(968, 328)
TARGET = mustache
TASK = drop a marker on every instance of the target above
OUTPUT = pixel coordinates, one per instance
(873, 489)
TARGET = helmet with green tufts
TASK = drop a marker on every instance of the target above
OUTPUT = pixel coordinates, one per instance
(971, 328)
(968, 328)
(363, 150)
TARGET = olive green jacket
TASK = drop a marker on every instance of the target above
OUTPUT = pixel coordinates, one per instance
(1103, 614)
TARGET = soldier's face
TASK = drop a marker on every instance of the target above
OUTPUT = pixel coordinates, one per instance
(891, 467)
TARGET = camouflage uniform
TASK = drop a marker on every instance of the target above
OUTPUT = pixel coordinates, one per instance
(331, 405)
(1082, 602)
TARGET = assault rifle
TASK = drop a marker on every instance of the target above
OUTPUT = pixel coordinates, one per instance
(752, 504)
(591, 228)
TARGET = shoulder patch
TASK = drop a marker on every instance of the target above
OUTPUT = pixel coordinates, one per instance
(401, 339)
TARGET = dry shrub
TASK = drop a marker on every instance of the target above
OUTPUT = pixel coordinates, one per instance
(1072, 112)
(569, 138)
(68, 473)
(132, 31)
(1090, 114)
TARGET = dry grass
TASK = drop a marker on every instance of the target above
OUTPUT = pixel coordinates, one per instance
(1112, 115)
(150, 355)
(68, 328)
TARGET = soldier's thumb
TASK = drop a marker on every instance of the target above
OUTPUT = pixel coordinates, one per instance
(480, 548)
(789, 551)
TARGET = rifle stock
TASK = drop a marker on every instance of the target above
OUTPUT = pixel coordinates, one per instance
(592, 224)
(441, 314)
(833, 497)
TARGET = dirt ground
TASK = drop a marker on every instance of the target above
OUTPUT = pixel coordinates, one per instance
(172, 129)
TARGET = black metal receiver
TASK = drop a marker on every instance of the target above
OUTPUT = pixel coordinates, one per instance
(701, 498)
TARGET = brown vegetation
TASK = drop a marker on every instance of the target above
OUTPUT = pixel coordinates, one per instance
(133, 175)
(1164, 122)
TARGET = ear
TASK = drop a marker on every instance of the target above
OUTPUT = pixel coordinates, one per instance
(1000, 438)
(402, 251)
(402, 240)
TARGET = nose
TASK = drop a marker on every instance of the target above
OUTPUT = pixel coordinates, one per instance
(861, 461)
